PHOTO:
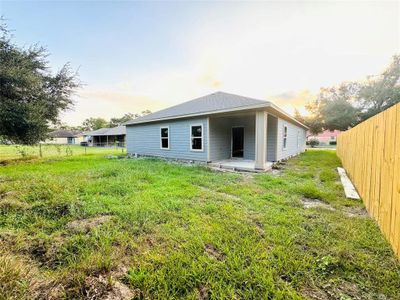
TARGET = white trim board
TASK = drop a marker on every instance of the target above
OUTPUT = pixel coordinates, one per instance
(348, 186)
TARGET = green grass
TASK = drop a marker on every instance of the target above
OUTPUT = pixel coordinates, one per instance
(186, 232)
(10, 153)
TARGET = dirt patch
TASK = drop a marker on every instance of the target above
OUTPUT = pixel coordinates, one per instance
(85, 225)
(107, 288)
(355, 212)
(314, 203)
(276, 172)
(259, 228)
(7, 194)
(314, 293)
(213, 252)
(202, 293)
(342, 290)
(13, 204)
(221, 194)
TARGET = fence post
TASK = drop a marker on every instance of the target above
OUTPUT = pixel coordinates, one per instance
(40, 150)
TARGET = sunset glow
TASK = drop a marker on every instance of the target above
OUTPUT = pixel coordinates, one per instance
(136, 56)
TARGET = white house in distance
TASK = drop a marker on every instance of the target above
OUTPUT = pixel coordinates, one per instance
(224, 129)
(64, 137)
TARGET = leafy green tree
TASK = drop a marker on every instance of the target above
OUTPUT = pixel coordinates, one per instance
(336, 107)
(95, 123)
(380, 92)
(344, 106)
(127, 117)
(32, 98)
(314, 124)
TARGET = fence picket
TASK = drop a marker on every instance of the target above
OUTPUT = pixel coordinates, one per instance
(370, 153)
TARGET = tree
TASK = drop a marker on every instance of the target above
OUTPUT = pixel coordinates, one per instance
(94, 124)
(344, 106)
(336, 108)
(380, 92)
(314, 124)
(127, 117)
(32, 98)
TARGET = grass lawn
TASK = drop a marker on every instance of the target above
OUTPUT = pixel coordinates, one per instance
(18, 152)
(91, 227)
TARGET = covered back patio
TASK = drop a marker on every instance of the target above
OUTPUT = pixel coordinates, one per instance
(243, 142)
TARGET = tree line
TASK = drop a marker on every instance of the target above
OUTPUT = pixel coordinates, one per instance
(32, 97)
(344, 106)
(95, 123)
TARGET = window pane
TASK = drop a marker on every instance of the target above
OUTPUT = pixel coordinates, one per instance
(196, 131)
(196, 144)
(164, 132)
(164, 143)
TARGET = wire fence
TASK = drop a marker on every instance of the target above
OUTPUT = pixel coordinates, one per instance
(15, 152)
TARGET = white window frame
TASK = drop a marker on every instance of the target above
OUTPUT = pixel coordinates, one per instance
(285, 136)
(196, 137)
(161, 137)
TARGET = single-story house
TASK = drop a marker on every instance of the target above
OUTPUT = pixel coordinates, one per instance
(107, 137)
(219, 128)
(63, 136)
(326, 137)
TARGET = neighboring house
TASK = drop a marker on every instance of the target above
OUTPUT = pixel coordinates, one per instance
(107, 137)
(64, 137)
(325, 138)
(218, 127)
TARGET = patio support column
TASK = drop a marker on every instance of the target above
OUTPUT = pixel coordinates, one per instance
(261, 139)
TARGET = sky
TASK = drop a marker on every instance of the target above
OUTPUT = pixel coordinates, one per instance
(133, 56)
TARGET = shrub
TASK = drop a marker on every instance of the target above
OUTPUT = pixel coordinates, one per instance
(313, 142)
(332, 143)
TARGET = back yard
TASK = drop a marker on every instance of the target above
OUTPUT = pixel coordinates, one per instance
(92, 227)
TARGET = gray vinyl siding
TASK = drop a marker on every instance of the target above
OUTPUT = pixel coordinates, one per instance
(296, 140)
(272, 128)
(144, 139)
(221, 134)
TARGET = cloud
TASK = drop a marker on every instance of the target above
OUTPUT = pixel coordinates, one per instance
(283, 52)
(289, 101)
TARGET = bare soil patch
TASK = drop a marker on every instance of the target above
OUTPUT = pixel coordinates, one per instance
(202, 293)
(7, 194)
(85, 225)
(314, 203)
(224, 195)
(356, 212)
(213, 252)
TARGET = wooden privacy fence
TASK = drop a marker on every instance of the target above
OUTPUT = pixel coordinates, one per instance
(370, 153)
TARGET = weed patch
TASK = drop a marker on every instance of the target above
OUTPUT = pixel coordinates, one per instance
(185, 232)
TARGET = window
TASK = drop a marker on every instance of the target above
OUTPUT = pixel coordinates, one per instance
(285, 136)
(196, 137)
(332, 137)
(298, 139)
(164, 138)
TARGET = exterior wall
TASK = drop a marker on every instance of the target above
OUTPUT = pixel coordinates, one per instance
(272, 135)
(144, 139)
(326, 136)
(56, 141)
(296, 139)
(221, 136)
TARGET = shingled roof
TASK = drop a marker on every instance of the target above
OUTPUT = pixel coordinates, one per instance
(213, 103)
(119, 130)
(62, 133)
